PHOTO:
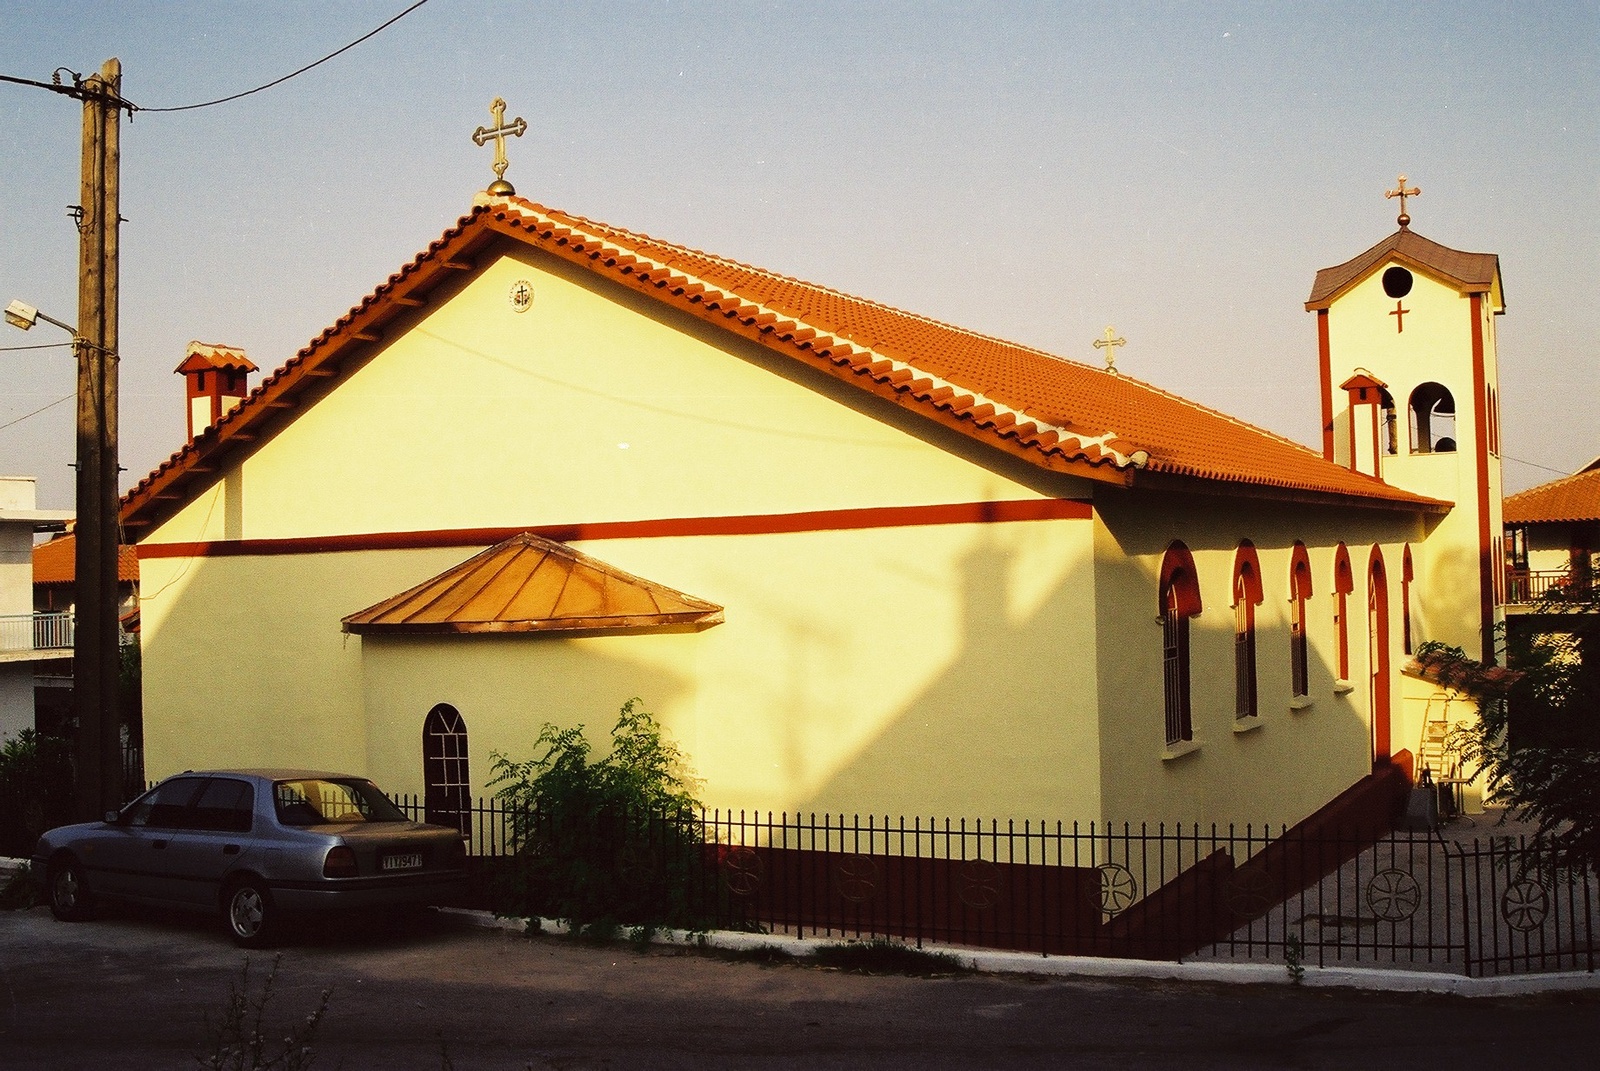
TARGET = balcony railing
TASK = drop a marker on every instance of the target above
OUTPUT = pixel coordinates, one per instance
(1531, 585)
(36, 632)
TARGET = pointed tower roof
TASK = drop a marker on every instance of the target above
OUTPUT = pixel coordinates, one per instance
(532, 584)
(1470, 273)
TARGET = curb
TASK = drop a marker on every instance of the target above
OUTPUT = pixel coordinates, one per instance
(1374, 979)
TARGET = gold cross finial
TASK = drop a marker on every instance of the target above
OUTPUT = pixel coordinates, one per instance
(1110, 344)
(1402, 193)
(499, 132)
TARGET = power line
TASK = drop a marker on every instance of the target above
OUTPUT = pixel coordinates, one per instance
(37, 346)
(293, 74)
(1535, 465)
(36, 412)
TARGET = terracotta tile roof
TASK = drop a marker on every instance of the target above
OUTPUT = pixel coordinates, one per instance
(203, 356)
(530, 584)
(1471, 273)
(55, 562)
(1051, 412)
(1571, 498)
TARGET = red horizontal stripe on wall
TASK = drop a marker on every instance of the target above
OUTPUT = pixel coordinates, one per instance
(832, 520)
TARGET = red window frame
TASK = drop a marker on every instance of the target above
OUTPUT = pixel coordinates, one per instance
(1246, 597)
(1299, 593)
(1178, 601)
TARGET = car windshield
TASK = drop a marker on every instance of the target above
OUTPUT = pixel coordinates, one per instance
(315, 801)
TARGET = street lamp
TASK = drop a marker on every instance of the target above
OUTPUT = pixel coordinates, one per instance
(21, 314)
(96, 647)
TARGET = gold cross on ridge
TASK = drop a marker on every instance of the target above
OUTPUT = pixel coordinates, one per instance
(1110, 344)
(499, 132)
(1402, 193)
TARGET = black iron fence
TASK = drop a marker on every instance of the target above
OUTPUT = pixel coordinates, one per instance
(1495, 905)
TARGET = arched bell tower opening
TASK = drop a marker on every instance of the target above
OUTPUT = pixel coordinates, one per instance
(1433, 419)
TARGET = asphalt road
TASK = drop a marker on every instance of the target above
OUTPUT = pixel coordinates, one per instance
(142, 990)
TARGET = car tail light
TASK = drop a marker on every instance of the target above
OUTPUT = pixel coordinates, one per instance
(340, 863)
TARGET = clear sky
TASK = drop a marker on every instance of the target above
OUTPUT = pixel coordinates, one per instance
(1034, 171)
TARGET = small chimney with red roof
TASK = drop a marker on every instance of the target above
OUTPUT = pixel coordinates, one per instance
(217, 380)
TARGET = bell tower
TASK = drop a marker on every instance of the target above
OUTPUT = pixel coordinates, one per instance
(1410, 394)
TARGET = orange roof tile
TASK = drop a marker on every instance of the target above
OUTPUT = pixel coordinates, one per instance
(1471, 273)
(531, 584)
(203, 356)
(1571, 498)
(1051, 412)
(56, 562)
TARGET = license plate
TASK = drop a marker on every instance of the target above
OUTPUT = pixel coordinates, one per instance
(402, 862)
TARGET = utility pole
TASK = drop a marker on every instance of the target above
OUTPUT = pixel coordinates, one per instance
(96, 651)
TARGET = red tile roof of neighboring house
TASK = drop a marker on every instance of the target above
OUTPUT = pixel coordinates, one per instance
(1571, 498)
(531, 584)
(1051, 412)
(1471, 273)
(55, 562)
(203, 356)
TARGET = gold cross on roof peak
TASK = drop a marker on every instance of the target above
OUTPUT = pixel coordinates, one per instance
(1402, 193)
(498, 133)
(1110, 344)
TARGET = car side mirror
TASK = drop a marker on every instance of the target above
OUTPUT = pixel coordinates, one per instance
(112, 816)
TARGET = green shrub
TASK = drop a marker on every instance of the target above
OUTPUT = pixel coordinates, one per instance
(35, 790)
(883, 956)
(604, 842)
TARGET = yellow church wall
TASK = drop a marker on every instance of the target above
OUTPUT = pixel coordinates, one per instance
(878, 669)
(1292, 757)
(935, 671)
(851, 668)
(595, 405)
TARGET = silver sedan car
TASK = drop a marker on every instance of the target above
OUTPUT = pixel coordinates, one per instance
(257, 844)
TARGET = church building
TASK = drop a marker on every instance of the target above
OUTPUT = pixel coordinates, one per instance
(854, 558)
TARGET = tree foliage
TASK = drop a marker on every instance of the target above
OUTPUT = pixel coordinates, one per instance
(1537, 737)
(35, 789)
(611, 840)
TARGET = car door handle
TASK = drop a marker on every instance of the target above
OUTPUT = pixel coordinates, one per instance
(158, 844)
(230, 849)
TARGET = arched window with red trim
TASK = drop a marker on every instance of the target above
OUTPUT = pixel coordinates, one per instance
(1179, 600)
(1246, 597)
(1405, 599)
(1343, 584)
(1299, 593)
(1378, 638)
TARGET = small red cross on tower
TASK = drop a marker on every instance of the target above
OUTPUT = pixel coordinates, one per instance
(1399, 315)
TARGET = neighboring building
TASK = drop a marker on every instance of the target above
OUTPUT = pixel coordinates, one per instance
(54, 569)
(854, 558)
(27, 638)
(1552, 536)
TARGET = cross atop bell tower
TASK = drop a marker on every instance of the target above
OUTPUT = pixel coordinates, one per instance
(1401, 192)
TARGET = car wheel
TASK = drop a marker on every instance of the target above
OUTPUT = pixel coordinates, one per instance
(70, 900)
(252, 920)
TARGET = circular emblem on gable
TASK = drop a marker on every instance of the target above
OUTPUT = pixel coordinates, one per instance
(521, 295)
(1397, 282)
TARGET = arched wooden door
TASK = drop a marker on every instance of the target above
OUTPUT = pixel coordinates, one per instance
(1378, 633)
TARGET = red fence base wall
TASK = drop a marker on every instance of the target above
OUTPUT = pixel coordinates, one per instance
(1029, 907)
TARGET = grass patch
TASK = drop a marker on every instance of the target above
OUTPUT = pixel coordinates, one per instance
(881, 956)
